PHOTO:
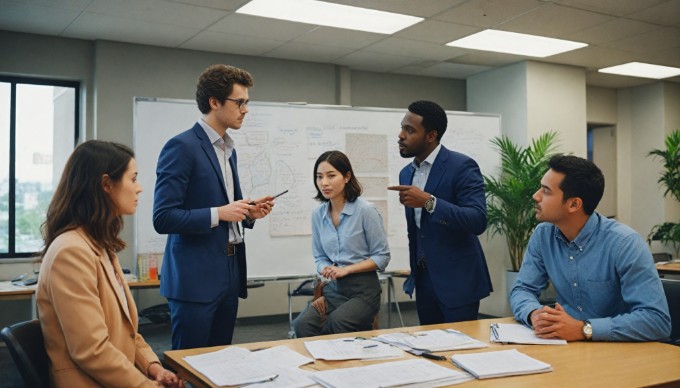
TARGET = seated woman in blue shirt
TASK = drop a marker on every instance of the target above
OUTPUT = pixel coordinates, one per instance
(349, 244)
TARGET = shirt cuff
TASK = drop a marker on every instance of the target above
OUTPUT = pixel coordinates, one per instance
(214, 218)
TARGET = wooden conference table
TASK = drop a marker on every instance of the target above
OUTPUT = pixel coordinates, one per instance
(577, 364)
(670, 268)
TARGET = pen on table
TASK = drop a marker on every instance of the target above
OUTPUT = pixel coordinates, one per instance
(494, 330)
(433, 356)
(370, 346)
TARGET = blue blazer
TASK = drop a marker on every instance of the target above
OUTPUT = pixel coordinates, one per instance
(455, 260)
(188, 183)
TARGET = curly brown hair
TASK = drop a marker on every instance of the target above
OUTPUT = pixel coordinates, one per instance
(218, 81)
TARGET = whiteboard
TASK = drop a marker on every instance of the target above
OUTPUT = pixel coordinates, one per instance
(277, 147)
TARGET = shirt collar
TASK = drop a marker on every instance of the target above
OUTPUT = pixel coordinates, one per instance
(585, 234)
(430, 158)
(215, 139)
(348, 209)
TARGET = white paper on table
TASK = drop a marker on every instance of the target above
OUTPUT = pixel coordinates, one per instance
(519, 334)
(433, 340)
(351, 349)
(501, 363)
(388, 374)
(237, 366)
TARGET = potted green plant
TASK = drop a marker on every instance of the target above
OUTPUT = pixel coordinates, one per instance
(510, 208)
(668, 232)
(509, 205)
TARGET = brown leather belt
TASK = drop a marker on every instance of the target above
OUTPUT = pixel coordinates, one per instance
(231, 249)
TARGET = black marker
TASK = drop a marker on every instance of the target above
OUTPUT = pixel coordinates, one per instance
(433, 356)
(274, 197)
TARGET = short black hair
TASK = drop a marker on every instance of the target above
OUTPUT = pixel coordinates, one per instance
(434, 117)
(340, 162)
(582, 179)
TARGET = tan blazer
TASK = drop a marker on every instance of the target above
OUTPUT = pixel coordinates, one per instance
(90, 337)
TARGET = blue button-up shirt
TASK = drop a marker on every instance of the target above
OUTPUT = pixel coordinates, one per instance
(360, 235)
(606, 275)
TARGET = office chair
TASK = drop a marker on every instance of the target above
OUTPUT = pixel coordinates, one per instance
(25, 343)
(671, 288)
(305, 288)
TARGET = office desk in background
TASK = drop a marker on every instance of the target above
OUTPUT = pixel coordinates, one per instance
(8, 291)
(669, 268)
(578, 364)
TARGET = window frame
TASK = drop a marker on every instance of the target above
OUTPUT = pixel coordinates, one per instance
(14, 81)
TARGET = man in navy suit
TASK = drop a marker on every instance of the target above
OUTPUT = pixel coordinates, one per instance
(443, 195)
(198, 203)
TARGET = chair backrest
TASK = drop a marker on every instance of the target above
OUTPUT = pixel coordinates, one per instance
(671, 288)
(25, 343)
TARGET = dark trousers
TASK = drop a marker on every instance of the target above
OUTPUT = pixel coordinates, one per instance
(431, 310)
(197, 325)
(351, 302)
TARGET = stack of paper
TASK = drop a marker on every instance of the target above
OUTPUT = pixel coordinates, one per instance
(518, 334)
(350, 349)
(238, 366)
(432, 340)
(498, 364)
(392, 374)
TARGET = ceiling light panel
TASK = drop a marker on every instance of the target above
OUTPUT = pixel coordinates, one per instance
(515, 43)
(644, 70)
(329, 14)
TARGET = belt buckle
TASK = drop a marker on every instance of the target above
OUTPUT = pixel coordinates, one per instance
(231, 249)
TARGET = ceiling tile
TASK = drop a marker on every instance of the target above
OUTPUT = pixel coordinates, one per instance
(487, 13)
(667, 14)
(452, 70)
(308, 52)
(553, 21)
(660, 39)
(612, 30)
(611, 7)
(92, 26)
(260, 27)
(231, 43)
(486, 58)
(413, 48)
(361, 60)
(36, 19)
(226, 5)
(436, 31)
(614, 81)
(422, 8)
(159, 11)
(336, 37)
(593, 57)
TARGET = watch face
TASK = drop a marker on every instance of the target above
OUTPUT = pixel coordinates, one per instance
(429, 205)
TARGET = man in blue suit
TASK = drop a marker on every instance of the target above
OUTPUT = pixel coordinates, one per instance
(443, 195)
(198, 203)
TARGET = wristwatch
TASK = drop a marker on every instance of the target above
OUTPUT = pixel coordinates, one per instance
(429, 204)
(587, 330)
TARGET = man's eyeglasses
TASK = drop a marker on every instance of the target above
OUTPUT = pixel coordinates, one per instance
(240, 102)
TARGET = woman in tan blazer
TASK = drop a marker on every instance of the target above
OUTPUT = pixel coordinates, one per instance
(87, 314)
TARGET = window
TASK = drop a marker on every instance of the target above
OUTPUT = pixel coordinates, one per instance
(38, 131)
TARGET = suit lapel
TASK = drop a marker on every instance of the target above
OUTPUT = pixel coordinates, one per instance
(210, 153)
(437, 172)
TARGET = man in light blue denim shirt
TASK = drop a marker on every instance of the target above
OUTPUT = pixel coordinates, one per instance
(607, 286)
